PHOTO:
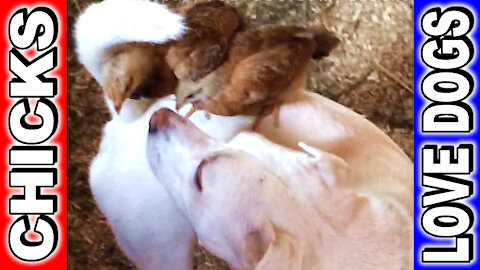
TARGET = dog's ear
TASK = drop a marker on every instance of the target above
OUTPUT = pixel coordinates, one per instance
(284, 252)
(257, 243)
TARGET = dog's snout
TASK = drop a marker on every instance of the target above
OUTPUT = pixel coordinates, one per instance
(161, 119)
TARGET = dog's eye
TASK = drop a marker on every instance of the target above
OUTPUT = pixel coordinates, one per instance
(190, 96)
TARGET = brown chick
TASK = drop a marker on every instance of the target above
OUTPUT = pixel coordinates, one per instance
(204, 47)
(134, 70)
(263, 64)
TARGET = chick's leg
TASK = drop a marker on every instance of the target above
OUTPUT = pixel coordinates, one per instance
(191, 112)
(194, 109)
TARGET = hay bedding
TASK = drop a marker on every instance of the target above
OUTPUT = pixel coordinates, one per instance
(371, 72)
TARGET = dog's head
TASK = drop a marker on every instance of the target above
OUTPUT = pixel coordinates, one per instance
(221, 191)
(175, 147)
(169, 130)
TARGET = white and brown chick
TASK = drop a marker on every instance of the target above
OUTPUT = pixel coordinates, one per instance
(204, 46)
(142, 69)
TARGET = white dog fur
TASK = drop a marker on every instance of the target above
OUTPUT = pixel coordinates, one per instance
(123, 183)
(147, 225)
(274, 208)
(111, 22)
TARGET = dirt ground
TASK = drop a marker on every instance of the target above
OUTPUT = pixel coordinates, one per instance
(371, 72)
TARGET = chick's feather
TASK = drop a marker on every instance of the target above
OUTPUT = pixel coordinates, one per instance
(133, 70)
(263, 64)
(204, 46)
(140, 69)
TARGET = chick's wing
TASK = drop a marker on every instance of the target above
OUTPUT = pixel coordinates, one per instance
(205, 45)
(260, 78)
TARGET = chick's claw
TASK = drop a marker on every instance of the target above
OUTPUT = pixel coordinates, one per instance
(191, 112)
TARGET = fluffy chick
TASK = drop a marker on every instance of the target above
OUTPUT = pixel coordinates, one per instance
(134, 70)
(204, 46)
(263, 64)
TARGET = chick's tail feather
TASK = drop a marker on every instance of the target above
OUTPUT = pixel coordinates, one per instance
(112, 22)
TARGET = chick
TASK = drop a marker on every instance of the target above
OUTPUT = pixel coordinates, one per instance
(134, 70)
(204, 46)
(263, 64)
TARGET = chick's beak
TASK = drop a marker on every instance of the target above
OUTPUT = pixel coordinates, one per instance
(180, 104)
(118, 106)
(117, 98)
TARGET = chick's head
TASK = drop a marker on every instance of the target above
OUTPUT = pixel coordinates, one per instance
(187, 93)
(120, 79)
(198, 92)
(193, 63)
(137, 70)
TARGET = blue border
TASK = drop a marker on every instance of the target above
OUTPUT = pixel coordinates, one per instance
(421, 239)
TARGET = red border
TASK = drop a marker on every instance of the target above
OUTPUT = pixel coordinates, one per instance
(58, 259)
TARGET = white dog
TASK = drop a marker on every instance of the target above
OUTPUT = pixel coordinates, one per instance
(147, 224)
(274, 208)
(150, 228)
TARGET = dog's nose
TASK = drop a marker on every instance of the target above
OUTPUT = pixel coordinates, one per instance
(161, 119)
